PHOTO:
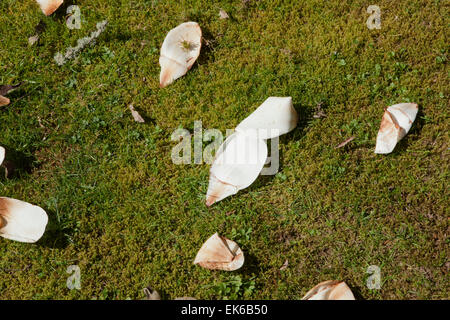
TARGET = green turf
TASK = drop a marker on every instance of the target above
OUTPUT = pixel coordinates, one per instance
(128, 217)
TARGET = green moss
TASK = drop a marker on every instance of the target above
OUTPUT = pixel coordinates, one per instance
(128, 217)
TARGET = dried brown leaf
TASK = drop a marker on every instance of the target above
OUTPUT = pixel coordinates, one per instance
(285, 265)
(137, 117)
(4, 101)
(223, 14)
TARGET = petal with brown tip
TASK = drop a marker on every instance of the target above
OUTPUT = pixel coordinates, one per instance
(237, 164)
(179, 51)
(330, 290)
(220, 253)
(49, 6)
(395, 124)
(21, 221)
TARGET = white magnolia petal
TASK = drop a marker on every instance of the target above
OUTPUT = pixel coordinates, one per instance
(21, 221)
(49, 6)
(179, 51)
(395, 124)
(220, 253)
(2, 154)
(330, 290)
(238, 163)
(276, 116)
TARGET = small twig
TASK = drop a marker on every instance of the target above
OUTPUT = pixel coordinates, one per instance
(345, 142)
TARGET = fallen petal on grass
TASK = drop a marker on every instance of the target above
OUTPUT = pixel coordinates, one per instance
(21, 221)
(2, 154)
(49, 6)
(330, 290)
(396, 122)
(274, 117)
(220, 253)
(180, 49)
(237, 164)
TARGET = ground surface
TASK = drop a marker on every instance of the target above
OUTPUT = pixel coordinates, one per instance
(128, 217)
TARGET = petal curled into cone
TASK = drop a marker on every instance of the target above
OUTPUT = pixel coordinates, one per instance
(220, 253)
(21, 221)
(49, 6)
(330, 290)
(396, 122)
(2, 154)
(180, 49)
(276, 116)
(237, 164)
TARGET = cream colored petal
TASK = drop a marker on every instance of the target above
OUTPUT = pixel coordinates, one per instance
(237, 164)
(170, 71)
(21, 221)
(220, 253)
(276, 116)
(404, 114)
(395, 124)
(179, 51)
(49, 6)
(330, 290)
(2, 154)
(388, 134)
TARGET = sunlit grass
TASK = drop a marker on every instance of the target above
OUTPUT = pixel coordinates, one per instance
(128, 217)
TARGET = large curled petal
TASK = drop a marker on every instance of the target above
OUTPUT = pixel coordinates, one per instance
(397, 121)
(276, 116)
(180, 49)
(49, 6)
(237, 164)
(330, 290)
(220, 253)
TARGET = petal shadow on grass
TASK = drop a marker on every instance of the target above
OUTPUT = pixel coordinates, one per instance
(61, 12)
(56, 235)
(18, 163)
